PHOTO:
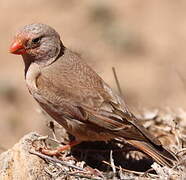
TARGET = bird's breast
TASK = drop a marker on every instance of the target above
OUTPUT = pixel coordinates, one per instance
(31, 77)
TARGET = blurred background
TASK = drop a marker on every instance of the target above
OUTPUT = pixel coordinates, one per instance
(144, 40)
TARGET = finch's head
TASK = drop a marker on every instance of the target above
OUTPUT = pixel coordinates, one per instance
(39, 42)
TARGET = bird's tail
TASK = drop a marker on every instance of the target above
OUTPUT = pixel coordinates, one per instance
(158, 153)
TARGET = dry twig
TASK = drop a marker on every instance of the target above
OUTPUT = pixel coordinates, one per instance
(45, 157)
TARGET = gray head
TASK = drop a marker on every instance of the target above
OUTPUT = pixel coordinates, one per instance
(38, 43)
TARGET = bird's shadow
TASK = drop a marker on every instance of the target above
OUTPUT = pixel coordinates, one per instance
(98, 155)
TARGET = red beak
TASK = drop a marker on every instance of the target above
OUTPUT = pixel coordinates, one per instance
(17, 47)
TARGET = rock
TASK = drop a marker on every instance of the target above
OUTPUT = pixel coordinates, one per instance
(18, 164)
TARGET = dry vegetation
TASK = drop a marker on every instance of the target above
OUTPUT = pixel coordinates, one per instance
(144, 40)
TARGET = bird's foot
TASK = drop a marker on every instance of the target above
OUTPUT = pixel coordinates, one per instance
(58, 150)
(45, 147)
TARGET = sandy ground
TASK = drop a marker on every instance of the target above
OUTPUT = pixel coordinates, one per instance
(144, 40)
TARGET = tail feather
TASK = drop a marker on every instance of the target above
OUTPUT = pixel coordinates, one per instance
(158, 153)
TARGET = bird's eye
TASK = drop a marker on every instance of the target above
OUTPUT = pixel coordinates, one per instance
(36, 40)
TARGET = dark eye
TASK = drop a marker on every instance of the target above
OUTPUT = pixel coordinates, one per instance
(36, 40)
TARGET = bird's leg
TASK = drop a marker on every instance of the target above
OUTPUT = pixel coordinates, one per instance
(58, 150)
(52, 127)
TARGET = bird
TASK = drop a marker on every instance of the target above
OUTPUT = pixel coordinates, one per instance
(76, 97)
